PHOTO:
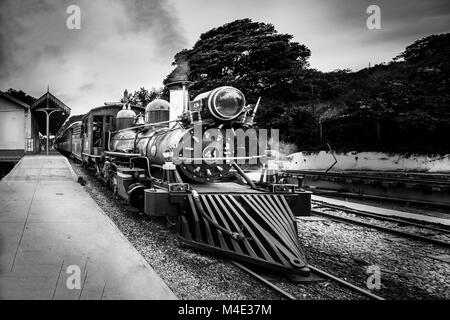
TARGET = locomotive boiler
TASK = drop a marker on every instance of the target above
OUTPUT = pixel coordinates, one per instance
(183, 161)
(162, 143)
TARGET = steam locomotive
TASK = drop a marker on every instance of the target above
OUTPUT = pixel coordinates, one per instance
(179, 161)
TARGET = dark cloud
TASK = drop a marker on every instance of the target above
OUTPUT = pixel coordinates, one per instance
(159, 16)
(35, 30)
(12, 16)
(87, 87)
(131, 43)
(400, 19)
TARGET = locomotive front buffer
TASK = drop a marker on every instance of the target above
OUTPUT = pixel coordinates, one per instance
(251, 221)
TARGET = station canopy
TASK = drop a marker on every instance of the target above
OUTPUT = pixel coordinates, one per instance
(59, 112)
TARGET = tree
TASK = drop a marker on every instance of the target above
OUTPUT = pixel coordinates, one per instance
(22, 96)
(255, 58)
(403, 105)
(407, 99)
(436, 45)
(143, 96)
(251, 56)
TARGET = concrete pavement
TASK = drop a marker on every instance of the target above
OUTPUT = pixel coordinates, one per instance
(57, 243)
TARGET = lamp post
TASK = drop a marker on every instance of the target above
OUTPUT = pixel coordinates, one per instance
(48, 112)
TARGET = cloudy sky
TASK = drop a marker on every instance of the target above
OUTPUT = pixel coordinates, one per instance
(131, 43)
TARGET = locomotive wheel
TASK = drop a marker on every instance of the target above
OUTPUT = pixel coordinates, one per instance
(137, 199)
(171, 221)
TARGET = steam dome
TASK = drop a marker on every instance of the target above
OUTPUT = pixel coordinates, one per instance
(125, 118)
(157, 111)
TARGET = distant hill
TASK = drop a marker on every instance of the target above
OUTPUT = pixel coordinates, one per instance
(402, 105)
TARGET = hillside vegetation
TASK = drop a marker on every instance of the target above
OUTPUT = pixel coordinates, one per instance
(399, 106)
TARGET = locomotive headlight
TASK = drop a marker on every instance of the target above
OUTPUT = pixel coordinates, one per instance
(223, 103)
(226, 103)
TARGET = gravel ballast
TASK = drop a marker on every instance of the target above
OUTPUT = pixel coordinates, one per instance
(408, 267)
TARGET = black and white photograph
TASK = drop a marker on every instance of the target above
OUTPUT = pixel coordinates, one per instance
(227, 156)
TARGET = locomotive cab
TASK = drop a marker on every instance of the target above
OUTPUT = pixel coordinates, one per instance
(97, 125)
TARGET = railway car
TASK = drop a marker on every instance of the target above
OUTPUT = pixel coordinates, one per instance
(69, 142)
(179, 160)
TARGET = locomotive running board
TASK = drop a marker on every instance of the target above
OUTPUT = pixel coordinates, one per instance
(265, 224)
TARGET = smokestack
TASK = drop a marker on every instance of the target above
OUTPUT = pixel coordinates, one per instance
(179, 98)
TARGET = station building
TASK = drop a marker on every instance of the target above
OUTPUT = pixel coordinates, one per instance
(19, 131)
(22, 126)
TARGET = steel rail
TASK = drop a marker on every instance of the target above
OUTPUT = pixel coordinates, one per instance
(378, 216)
(371, 177)
(265, 281)
(385, 229)
(345, 283)
(315, 270)
(382, 198)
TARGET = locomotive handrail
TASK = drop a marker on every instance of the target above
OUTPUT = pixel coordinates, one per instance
(122, 154)
(220, 158)
(146, 125)
(90, 155)
(242, 173)
(148, 164)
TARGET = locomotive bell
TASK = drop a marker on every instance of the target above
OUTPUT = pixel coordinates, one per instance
(157, 111)
(223, 103)
(125, 118)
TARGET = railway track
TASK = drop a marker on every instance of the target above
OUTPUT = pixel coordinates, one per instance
(272, 285)
(381, 217)
(422, 191)
(315, 270)
(445, 181)
(402, 201)
(359, 222)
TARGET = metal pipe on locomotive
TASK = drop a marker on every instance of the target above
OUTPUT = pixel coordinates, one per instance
(161, 164)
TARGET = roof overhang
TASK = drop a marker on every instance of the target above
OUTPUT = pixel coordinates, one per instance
(49, 104)
(15, 100)
(49, 99)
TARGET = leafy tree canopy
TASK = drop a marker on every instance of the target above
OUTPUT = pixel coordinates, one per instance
(436, 46)
(22, 96)
(144, 96)
(249, 55)
(407, 98)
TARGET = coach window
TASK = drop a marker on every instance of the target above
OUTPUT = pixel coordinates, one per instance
(109, 122)
(97, 130)
(85, 128)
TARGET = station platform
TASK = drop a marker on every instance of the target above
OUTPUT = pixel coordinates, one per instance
(57, 243)
(383, 211)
